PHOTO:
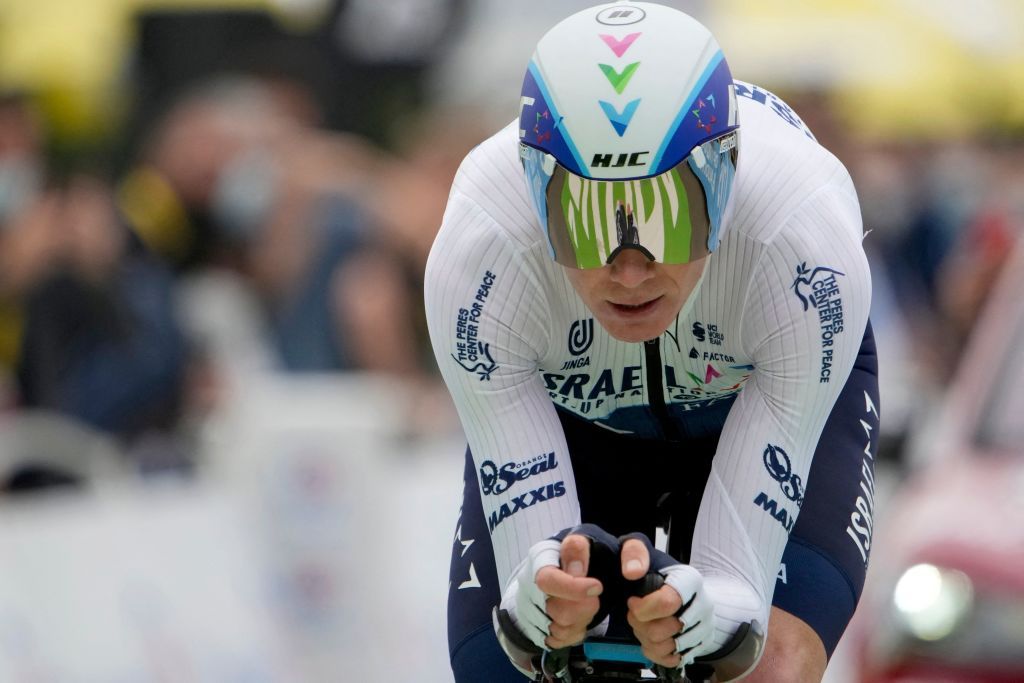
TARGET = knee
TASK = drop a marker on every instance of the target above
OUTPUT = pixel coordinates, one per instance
(480, 658)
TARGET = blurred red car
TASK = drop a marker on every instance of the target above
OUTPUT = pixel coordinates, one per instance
(945, 595)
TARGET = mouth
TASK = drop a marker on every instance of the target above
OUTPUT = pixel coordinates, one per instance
(634, 309)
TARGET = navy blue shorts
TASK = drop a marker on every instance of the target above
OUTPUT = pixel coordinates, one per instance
(823, 566)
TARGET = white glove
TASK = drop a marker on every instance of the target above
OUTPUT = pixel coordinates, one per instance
(523, 600)
(698, 614)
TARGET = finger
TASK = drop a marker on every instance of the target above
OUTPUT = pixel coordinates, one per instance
(567, 634)
(666, 628)
(556, 583)
(661, 603)
(564, 636)
(635, 559)
(658, 652)
(575, 555)
(569, 612)
(658, 655)
(693, 637)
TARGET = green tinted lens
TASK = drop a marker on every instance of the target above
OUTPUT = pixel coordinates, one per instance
(664, 216)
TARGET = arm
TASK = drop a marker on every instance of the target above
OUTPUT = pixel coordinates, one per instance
(487, 318)
(803, 330)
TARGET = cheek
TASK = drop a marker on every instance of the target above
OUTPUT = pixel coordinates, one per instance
(585, 284)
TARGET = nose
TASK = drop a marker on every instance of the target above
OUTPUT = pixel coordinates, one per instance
(630, 268)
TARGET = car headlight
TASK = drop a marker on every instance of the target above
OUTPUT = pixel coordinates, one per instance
(932, 602)
(942, 615)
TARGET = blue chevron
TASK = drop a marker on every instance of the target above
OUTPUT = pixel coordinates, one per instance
(620, 122)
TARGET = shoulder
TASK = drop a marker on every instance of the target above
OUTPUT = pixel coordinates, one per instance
(490, 182)
(783, 169)
(489, 254)
(489, 218)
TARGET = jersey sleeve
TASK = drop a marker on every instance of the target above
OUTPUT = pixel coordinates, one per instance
(487, 317)
(804, 316)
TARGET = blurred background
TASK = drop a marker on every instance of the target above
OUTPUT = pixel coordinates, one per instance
(225, 452)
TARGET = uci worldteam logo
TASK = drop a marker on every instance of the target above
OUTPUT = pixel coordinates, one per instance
(621, 15)
(581, 336)
(779, 466)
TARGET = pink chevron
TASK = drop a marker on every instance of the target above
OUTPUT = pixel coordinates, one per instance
(711, 374)
(619, 47)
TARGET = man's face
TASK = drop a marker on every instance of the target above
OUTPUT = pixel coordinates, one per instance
(636, 299)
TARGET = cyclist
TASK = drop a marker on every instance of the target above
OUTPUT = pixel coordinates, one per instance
(652, 284)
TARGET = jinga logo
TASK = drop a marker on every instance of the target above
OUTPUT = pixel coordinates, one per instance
(581, 336)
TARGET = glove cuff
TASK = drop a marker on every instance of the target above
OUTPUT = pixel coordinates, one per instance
(524, 655)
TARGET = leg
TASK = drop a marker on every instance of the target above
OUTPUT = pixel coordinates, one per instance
(824, 564)
(472, 591)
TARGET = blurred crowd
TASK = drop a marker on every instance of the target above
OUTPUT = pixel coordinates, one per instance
(244, 231)
(247, 230)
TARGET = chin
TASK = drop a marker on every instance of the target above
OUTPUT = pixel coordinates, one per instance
(634, 333)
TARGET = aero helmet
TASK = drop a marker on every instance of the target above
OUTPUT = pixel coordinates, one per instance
(628, 135)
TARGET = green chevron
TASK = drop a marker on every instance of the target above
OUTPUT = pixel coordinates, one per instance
(618, 80)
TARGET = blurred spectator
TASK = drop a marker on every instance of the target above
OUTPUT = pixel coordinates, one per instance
(87, 326)
(384, 51)
(100, 341)
(410, 192)
(984, 241)
(24, 250)
(253, 190)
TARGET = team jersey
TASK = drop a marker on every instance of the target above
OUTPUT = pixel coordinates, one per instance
(758, 354)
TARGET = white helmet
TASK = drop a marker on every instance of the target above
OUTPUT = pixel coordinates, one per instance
(628, 135)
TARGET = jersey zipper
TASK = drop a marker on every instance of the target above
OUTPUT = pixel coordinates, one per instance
(656, 389)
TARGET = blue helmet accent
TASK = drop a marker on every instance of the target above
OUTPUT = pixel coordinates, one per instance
(541, 122)
(706, 115)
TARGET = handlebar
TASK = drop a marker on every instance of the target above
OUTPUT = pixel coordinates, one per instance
(617, 660)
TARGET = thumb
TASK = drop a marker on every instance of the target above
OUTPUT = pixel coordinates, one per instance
(575, 555)
(635, 559)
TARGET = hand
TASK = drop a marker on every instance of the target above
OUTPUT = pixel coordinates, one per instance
(675, 623)
(551, 599)
(572, 597)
